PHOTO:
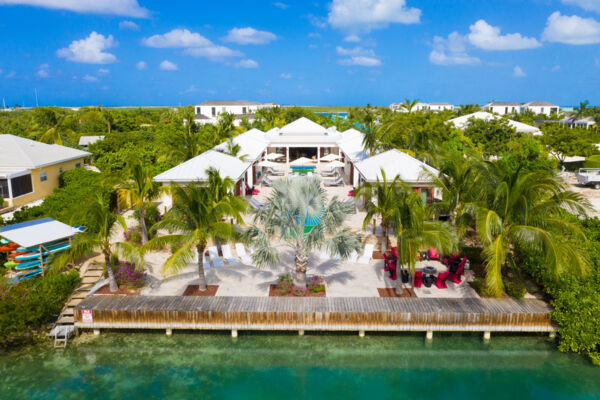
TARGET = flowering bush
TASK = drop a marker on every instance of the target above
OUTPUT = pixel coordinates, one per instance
(133, 235)
(316, 284)
(298, 291)
(127, 276)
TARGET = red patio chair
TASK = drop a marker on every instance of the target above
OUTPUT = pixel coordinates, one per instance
(418, 279)
(455, 277)
(388, 262)
(440, 280)
(433, 254)
(394, 252)
(448, 261)
(351, 193)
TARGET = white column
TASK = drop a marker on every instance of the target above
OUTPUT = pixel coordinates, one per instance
(318, 154)
(10, 193)
(287, 153)
(250, 176)
(355, 178)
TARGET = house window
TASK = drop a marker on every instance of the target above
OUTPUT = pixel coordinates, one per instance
(78, 165)
(542, 110)
(60, 170)
(21, 185)
(43, 176)
(4, 189)
(198, 110)
(243, 110)
(213, 111)
(505, 110)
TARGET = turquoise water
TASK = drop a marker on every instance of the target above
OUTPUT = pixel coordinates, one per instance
(285, 366)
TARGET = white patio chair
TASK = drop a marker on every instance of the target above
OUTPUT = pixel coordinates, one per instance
(333, 182)
(241, 252)
(367, 254)
(213, 254)
(257, 205)
(227, 255)
(353, 257)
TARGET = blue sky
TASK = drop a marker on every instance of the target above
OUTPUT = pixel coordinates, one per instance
(143, 52)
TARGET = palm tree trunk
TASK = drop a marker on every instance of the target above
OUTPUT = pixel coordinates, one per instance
(112, 281)
(201, 276)
(384, 231)
(301, 260)
(399, 287)
(143, 224)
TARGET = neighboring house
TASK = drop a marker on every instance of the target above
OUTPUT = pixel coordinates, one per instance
(85, 141)
(29, 170)
(440, 107)
(503, 107)
(208, 112)
(463, 121)
(574, 122)
(399, 107)
(541, 107)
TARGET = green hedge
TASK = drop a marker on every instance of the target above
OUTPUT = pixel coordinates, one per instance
(32, 303)
(592, 162)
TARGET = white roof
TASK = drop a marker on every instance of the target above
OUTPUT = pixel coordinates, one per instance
(87, 140)
(395, 163)
(351, 144)
(303, 131)
(39, 231)
(18, 152)
(461, 122)
(194, 170)
(252, 143)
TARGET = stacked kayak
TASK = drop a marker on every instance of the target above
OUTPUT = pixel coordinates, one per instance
(50, 249)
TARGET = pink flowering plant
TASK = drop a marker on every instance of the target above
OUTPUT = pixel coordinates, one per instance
(127, 275)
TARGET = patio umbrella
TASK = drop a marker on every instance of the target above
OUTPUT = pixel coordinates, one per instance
(267, 164)
(273, 156)
(302, 161)
(330, 157)
(336, 164)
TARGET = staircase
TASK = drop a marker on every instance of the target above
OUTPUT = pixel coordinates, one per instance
(64, 327)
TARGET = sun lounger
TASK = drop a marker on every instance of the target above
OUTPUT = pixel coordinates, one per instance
(274, 172)
(257, 205)
(266, 181)
(227, 255)
(241, 252)
(367, 254)
(213, 253)
(333, 182)
(329, 173)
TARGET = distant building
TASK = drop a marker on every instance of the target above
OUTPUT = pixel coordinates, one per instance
(85, 141)
(503, 107)
(208, 112)
(29, 170)
(541, 107)
(441, 107)
(400, 107)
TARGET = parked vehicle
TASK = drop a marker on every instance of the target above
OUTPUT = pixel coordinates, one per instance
(589, 177)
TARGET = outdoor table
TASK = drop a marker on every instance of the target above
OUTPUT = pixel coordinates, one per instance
(429, 270)
(428, 280)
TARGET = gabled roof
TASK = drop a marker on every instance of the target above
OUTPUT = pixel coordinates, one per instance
(229, 103)
(252, 143)
(351, 144)
(461, 122)
(87, 140)
(503, 103)
(440, 104)
(18, 152)
(540, 104)
(303, 131)
(194, 170)
(303, 127)
(395, 163)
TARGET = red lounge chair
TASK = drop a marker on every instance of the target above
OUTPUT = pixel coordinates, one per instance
(387, 262)
(450, 260)
(351, 193)
(455, 277)
(251, 190)
(433, 254)
(394, 252)
(418, 279)
(440, 280)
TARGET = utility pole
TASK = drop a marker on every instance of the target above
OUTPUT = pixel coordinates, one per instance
(36, 98)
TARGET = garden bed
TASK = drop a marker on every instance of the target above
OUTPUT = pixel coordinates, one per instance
(391, 292)
(194, 290)
(315, 287)
(274, 292)
(123, 290)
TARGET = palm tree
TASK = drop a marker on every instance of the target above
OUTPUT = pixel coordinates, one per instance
(409, 104)
(580, 111)
(189, 118)
(233, 149)
(526, 210)
(196, 217)
(52, 125)
(137, 192)
(100, 215)
(108, 120)
(225, 126)
(415, 231)
(380, 201)
(290, 214)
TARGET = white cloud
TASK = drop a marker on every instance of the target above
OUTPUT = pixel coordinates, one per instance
(177, 38)
(103, 71)
(488, 37)
(90, 50)
(141, 65)
(571, 30)
(43, 71)
(356, 51)
(249, 35)
(518, 72)
(191, 89)
(314, 35)
(352, 38)
(451, 51)
(126, 8)
(167, 65)
(247, 64)
(90, 78)
(281, 5)
(11, 74)
(213, 52)
(588, 5)
(361, 61)
(130, 25)
(556, 68)
(286, 75)
(365, 15)
(319, 22)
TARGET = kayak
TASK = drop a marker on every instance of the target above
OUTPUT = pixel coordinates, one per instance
(10, 264)
(27, 265)
(26, 275)
(51, 249)
(9, 247)
(37, 248)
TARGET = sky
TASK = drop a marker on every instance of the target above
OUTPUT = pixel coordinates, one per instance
(346, 52)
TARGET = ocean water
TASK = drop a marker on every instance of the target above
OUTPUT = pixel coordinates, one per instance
(286, 366)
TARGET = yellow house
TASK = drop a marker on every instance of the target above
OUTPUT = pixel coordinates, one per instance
(29, 170)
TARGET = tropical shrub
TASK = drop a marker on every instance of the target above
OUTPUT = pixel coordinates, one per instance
(515, 289)
(592, 162)
(128, 276)
(316, 284)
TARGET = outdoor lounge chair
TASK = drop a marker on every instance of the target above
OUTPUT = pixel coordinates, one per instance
(257, 205)
(251, 190)
(440, 280)
(455, 277)
(339, 181)
(227, 255)
(266, 181)
(418, 279)
(274, 172)
(241, 252)
(329, 172)
(353, 257)
(213, 253)
(367, 254)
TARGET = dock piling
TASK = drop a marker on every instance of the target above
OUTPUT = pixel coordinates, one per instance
(487, 335)
(234, 333)
(429, 336)
(361, 333)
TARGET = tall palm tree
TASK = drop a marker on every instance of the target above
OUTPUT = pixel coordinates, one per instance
(189, 117)
(415, 231)
(380, 201)
(52, 125)
(526, 210)
(225, 127)
(109, 120)
(290, 214)
(233, 149)
(196, 217)
(409, 104)
(137, 192)
(100, 215)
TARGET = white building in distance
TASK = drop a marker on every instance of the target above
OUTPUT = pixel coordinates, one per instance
(209, 111)
(510, 107)
(399, 107)
(541, 107)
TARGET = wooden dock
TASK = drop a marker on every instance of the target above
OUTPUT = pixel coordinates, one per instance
(313, 314)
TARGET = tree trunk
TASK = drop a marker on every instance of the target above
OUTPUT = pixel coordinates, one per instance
(301, 260)
(143, 224)
(384, 231)
(201, 276)
(399, 287)
(112, 281)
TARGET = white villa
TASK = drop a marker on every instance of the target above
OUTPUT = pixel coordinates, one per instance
(399, 107)
(461, 122)
(541, 107)
(503, 107)
(305, 139)
(208, 112)
(509, 107)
